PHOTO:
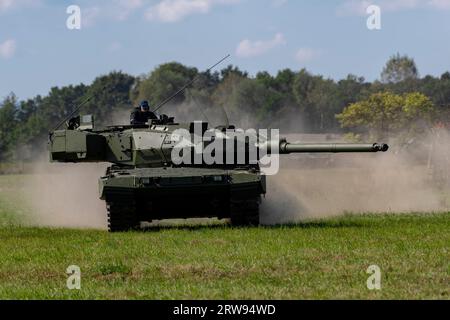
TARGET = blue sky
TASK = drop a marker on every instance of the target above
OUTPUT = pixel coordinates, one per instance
(38, 51)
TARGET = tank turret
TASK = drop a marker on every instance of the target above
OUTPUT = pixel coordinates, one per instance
(153, 144)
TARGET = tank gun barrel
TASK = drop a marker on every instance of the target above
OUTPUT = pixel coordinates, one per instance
(287, 148)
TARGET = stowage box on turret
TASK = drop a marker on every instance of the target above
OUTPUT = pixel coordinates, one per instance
(159, 172)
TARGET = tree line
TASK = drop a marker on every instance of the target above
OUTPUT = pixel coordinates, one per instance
(298, 100)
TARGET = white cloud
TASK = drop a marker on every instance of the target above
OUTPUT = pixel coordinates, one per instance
(304, 55)
(130, 4)
(353, 7)
(121, 10)
(115, 46)
(118, 10)
(7, 49)
(398, 5)
(279, 3)
(358, 7)
(247, 48)
(176, 10)
(440, 4)
(126, 7)
(89, 16)
(6, 5)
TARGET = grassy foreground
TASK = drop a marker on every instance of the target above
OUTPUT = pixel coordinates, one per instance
(324, 259)
(314, 260)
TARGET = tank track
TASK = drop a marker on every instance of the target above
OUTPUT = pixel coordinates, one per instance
(245, 212)
(122, 216)
(123, 213)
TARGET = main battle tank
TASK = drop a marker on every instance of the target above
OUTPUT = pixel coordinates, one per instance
(146, 182)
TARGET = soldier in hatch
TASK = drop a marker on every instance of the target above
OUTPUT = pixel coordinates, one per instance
(142, 114)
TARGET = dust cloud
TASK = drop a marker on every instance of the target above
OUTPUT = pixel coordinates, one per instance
(66, 195)
(394, 182)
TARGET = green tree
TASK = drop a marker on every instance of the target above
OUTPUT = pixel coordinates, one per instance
(110, 94)
(266, 79)
(301, 99)
(163, 82)
(59, 103)
(230, 69)
(385, 115)
(303, 85)
(351, 89)
(284, 84)
(202, 89)
(8, 126)
(247, 101)
(31, 127)
(284, 81)
(318, 101)
(399, 68)
(438, 89)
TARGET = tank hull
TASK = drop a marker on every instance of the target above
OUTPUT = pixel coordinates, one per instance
(147, 194)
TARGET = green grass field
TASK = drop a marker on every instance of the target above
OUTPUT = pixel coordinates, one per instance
(314, 260)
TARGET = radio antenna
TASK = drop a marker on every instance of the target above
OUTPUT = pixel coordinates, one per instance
(162, 104)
